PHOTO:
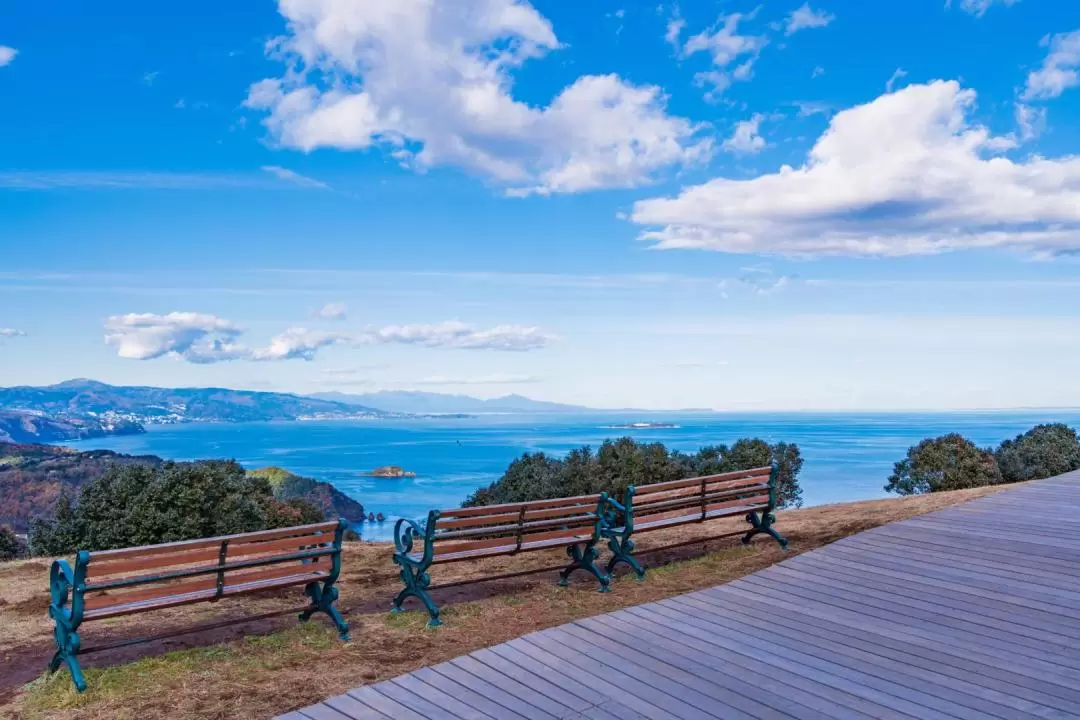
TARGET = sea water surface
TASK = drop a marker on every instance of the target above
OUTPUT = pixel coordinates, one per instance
(847, 456)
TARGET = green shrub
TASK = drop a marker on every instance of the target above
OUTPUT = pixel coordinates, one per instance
(9, 544)
(949, 462)
(144, 505)
(623, 462)
(1043, 451)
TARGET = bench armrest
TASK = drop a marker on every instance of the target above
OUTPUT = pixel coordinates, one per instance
(407, 531)
(614, 514)
(66, 587)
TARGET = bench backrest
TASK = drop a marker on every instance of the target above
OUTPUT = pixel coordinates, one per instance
(701, 495)
(511, 528)
(180, 573)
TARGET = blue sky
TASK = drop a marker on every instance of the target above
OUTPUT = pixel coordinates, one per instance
(736, 205)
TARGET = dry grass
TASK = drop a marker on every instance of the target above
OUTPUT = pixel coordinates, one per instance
(261, 669)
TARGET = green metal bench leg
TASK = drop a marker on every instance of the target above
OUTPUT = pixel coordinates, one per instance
(622, 551)
(762, 523)
(323, 598)
(417, 582)
(67, 643)
(584, 559)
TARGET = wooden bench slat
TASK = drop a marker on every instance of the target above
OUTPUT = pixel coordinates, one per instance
(143, 592)
(102, 556)
(203, 595)
(698, 499)
(737, 475)
(516, 507)
(515, 528)
(206, 555)
(759, 475)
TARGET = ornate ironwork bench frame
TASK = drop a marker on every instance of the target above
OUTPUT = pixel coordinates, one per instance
(618, 519)
(519, 533)
(70, 605)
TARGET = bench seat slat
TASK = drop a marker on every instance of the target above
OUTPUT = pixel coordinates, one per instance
(526, 527)
(648, 505)
(166, 589)
(101, 556)
(201, 595)
(204, 556)
(516, 507)
(721, 477)
(668, 520)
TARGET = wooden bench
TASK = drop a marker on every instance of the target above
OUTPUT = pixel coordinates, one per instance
(464, 534)
(112, 583)
(692, 500)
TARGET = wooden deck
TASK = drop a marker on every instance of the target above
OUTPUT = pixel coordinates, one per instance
(969, 612)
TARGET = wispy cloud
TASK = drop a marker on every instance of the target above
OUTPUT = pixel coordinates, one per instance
(272, 178)
(7, 55)
(1059, 70)
(11, 332)
(805, 18)
(149, 78)
(333, 311)
(898, 74)
(294, 177)
(496, 379)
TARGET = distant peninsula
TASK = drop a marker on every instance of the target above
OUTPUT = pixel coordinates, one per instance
(390, 471)
(78, 409)
(32, 478)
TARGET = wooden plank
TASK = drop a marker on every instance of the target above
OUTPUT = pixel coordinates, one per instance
(660, 702)
(956, 698)
(737, 673)
(516, 507)
(995, 683)
(491, 692)
(682, 666)
(450, 705)
(466, 695)
(184, 545)
(532, 694)
(372, 699)
(567, 700)
(422, 705)
(325, 712)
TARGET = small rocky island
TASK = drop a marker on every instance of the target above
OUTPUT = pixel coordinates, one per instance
(642, 426)
(390, 471)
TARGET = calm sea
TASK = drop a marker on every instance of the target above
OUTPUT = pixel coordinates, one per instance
(847, 456)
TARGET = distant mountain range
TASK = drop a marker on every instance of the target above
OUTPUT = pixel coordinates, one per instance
(82, 408)
(415, 402)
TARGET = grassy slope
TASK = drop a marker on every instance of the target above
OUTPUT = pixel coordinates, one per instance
(256, 672)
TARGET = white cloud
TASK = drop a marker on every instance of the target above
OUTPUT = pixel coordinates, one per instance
(454, 334)
(11, 332)
(294, 177)
(898, 74)
(431, 82)
(746, 139)
(195, 337)
(149, 77)
(808, 109)
(496, 379)
(333, 311)
(804, 18)
(674, 30)
(298, 344)
(7, 55)
(203, 339)
(724, 44)
(1059, 70)
(906, 174)
(1031, 121)
(978, 8)
(818, 72)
